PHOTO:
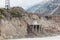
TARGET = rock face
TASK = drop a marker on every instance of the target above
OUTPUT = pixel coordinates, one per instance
(12, 24)
(21, 21)
(17, 27)
(13, 28)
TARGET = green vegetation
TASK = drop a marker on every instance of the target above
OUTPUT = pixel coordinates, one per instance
(1, 13)
(1, 16)
(14, 14)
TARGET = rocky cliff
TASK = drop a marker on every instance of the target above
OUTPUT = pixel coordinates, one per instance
(14, 23)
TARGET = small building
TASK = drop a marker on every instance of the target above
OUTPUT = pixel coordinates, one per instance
(34, 27)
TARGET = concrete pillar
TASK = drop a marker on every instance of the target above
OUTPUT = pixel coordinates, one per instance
(39, 28)
(36, 27)
(33, 28)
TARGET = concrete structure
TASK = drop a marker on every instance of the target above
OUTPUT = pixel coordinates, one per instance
(34, 27)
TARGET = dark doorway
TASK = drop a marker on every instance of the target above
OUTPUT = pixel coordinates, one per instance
(34, 27)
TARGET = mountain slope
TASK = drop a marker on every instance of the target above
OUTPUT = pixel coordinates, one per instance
(44, 8)
(57, 12)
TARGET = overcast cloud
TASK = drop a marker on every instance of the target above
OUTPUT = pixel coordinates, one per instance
(22, 3)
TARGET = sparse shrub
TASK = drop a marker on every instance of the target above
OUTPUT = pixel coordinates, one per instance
(1, 16)
(16, 14)
(1, 11)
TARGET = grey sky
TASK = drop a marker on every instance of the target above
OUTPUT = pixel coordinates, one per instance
(22, 3)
